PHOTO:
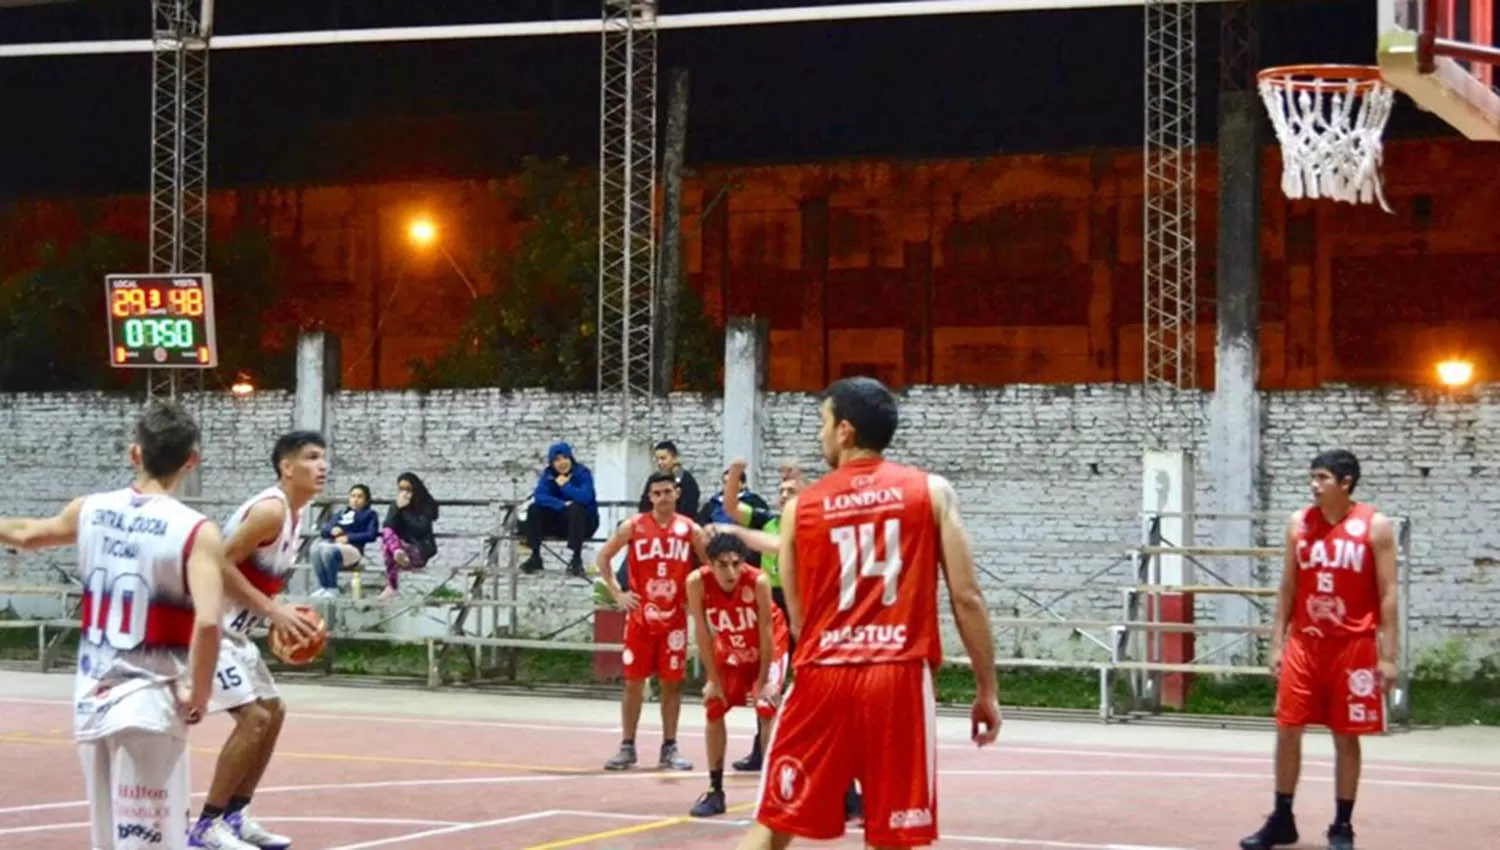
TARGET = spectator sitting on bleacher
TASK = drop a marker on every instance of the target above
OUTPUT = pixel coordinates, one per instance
(343, 541)
(687, 486)
(563, 507)
(406, 539)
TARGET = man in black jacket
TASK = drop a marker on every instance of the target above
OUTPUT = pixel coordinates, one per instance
(687, 486)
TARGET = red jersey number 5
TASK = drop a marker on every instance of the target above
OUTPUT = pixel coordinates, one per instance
(858, 559)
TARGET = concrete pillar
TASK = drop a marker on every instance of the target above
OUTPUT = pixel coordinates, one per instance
(745, 361)
(1235, 411)
(317, 381)
(621, 467)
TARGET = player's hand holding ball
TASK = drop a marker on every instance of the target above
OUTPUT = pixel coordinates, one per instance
(984, 718)
(295, 650)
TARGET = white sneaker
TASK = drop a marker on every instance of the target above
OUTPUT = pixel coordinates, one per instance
(216, 835)
(251, 832)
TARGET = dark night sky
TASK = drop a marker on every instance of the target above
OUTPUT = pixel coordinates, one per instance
(927, 87)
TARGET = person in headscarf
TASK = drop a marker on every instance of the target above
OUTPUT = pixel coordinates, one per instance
(406, 540)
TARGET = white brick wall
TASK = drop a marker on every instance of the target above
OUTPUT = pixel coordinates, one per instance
(1049, 474)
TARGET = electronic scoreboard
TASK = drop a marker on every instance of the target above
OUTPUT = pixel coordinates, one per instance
(159, 321)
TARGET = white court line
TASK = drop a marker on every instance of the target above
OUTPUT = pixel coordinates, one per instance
(448, 830)
(47, 827)
(392, 783)
(968, 839)
(497, 780)
(1002, 747)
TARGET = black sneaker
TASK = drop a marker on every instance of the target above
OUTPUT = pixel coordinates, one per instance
(575, 566)
(1277, 832)
(710, 804)
(1341, 837)
(532, 564)
(750, 763)
(854, 807)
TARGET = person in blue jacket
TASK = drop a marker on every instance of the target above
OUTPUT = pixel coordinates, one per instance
(343, 540)
(563, 507)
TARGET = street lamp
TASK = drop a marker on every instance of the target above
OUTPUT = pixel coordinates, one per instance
(423, 232)
(1455, 373)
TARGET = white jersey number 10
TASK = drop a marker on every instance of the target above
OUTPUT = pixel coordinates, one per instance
(118, 609)
(857, 559)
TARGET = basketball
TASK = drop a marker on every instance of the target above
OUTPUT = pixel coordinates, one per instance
(305, 653)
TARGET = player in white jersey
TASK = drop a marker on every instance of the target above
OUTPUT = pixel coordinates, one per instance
(151, 572)
(260, 550)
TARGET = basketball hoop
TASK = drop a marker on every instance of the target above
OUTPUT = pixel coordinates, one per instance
(1329, 119)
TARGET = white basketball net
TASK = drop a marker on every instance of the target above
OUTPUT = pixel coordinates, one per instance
(1329, 130)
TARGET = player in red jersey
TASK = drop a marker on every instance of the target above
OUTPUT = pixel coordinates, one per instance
(1333, 646)
(860, 554)
(744, 644)
(662, 545)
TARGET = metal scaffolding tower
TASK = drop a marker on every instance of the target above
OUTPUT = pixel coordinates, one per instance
(179, 152)
(627, 214)
(1171, 257)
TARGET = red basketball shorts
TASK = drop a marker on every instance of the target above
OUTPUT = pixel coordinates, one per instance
(1331, 682)
(876, 723)
(739, 684)
(647, 653)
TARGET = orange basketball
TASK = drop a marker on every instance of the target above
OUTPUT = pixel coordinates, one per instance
(304, 653)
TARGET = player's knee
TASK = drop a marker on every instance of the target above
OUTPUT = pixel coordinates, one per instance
(1346, 745)
(275, 710)
(253, 719)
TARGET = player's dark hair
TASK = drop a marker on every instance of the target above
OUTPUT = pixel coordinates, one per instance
(666, 446)
(727, 544)
(167, 435)
(866, 404)
(1341, 463)
(659, 476)
(292, 442)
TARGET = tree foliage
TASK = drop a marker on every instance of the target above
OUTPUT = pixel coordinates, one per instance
(54, 335)
(537, 327)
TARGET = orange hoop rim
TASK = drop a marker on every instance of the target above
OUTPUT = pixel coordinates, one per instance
(1314, 77)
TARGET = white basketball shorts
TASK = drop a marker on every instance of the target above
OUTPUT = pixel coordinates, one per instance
(139, 790)
(242, 677)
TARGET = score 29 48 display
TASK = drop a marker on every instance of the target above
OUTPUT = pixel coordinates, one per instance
(162, 320)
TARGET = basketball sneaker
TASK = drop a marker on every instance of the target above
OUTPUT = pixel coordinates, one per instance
(671, 759)
(1277, 832)
(710, 804)
(1341, 837)
(249, 830)
(623, 760)
(215, 834)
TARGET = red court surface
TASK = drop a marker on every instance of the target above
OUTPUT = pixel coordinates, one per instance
(431, 770)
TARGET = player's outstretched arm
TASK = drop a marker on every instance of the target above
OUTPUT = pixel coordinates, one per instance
(786, 562)
(1286, 594)
(1383, 541)
(205, 573)
(60, 530)
(262, 522)
(757, 540)
(617, 541)
(969, 610)
(703, 637)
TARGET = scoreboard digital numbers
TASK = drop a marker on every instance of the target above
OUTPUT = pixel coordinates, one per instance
(161, 321)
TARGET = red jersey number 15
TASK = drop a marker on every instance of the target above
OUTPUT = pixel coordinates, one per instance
(858, 559)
